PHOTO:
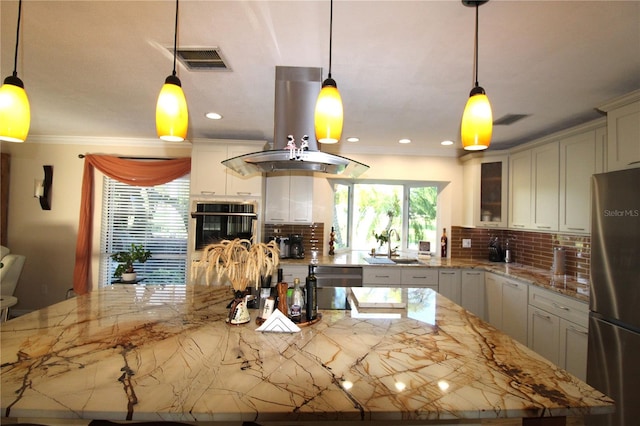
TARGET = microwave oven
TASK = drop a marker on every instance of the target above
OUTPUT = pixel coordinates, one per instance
(223, 220)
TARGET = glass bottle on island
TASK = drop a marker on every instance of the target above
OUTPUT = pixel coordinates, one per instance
(443, 244)
(311, 290)
(297, 302)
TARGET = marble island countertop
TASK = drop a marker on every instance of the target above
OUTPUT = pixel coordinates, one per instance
(563, 284)
(166, 353)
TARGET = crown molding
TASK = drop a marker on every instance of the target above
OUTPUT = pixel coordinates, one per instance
(107, 141)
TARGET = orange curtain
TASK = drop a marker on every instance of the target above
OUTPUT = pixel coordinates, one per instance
(131, 172)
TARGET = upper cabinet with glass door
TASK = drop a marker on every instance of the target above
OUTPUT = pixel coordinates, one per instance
(486, 188)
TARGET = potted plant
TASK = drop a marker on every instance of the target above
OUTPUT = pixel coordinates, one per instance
(125, 259)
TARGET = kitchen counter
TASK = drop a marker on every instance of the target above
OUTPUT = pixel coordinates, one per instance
(563, 284)
(135, 352)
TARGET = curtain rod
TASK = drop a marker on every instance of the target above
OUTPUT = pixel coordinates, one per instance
(138, 158)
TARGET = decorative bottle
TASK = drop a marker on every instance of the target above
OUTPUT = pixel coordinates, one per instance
(311, 293)
(443, 243)
(297, 302)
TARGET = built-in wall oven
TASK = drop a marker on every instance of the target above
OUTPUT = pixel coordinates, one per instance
(215, 221)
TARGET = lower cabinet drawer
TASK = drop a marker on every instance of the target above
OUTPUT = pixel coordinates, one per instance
(381, 276)
(571, 310)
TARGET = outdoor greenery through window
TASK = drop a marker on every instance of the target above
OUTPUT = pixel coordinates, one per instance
(156, 217)
(366, 213)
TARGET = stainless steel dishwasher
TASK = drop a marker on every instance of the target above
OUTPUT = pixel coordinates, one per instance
(333, 282)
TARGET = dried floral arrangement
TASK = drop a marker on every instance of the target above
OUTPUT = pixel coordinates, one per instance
(240, 261)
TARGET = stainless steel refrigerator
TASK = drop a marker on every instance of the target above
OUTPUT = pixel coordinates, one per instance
(613, 360)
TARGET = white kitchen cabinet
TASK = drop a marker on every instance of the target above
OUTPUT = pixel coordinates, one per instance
(472, 292)
(485, 190)
(210, 178)
(573, 348)
(450, 284)
(581, 156)
(493, 299)
(534, 187)
(290, 272)
(558, 329)
(623, 132)
(381, 276)
(207, 174)
(238, 184)
(506, 302)
(514, 309)
(289, 198)
(416, 277)
(520, 190)
(545, 164)
(544, 334)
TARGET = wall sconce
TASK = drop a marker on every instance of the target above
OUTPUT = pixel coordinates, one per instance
(42, 188)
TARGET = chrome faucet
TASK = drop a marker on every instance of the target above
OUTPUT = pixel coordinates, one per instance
(391, 231)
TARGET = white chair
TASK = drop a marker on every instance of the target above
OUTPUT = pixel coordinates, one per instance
(10, 270)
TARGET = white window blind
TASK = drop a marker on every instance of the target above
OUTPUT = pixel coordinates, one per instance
(156, 217)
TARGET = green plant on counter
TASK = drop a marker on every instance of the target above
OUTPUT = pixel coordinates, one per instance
(136, 253)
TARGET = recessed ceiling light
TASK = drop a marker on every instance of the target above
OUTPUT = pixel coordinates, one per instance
(213, 115)
(353, 139)
(446, 143)
(405, 141)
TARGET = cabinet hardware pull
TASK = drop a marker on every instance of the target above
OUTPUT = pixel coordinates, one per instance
(447, 273)
(472, 273)
(547, 317)
(208, 192)
(572, 328)
(243, 193)
(564, 308)
(418, 277)
(575, 229)
(382, 276)
(516, 225)
(543, 227)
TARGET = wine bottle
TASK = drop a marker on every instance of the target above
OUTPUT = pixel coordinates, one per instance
(297, 302)
(443, 244)
(311, 291)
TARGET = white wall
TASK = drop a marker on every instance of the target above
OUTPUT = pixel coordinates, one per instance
(48, 238)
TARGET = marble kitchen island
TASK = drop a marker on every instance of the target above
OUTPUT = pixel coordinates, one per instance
(135, 352)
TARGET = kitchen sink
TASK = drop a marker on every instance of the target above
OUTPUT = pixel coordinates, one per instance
(393, 260)
(405, 260)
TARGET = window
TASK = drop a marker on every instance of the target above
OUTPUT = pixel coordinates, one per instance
(156, 217)
(364, 210)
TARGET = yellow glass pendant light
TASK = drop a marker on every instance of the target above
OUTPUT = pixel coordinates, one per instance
(15, 113)
(477, 119)
(329, 115)
(172, 114)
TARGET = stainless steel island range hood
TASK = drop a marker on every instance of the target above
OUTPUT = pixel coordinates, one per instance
(296, 92)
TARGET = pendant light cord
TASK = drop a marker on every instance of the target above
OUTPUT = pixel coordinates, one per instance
(15, 58)
(175, 39)
(475, 59)
(330, 35)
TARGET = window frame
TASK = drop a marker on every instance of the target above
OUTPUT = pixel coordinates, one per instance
(407, 185)
(175, 263)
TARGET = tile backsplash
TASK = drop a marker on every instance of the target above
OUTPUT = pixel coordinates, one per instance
(529, 248)
(312, 235)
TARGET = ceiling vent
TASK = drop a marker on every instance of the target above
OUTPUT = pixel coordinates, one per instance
(508, 119)
(201, 59)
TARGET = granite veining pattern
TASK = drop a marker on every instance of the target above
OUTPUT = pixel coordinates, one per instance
(165, 352)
